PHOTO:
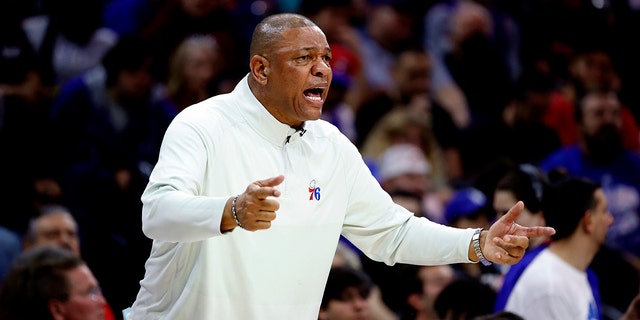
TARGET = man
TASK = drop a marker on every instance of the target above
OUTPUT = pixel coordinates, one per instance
(50, 282)
(220, 249)
(346, 295)
(557, 283)
(55, 226)
(421, 285)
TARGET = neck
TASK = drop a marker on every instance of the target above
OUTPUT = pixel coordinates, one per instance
(576, 251)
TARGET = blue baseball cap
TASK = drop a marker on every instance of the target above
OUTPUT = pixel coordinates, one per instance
(465, 202)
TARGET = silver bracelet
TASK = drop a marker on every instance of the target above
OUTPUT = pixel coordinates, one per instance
(476, 247)
(233, 211)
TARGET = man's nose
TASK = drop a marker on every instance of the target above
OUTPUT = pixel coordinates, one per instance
(321, 68)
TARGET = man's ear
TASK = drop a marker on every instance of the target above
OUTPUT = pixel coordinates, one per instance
(588, 221)
(56, 308)
(259, 66)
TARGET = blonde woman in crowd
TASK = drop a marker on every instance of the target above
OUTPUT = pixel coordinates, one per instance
(194, 66)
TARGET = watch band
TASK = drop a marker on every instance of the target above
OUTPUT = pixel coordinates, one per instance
(476, 247)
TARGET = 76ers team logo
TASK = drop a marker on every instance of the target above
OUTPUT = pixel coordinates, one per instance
(314, 190)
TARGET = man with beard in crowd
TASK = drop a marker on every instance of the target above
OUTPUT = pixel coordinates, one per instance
(601, 156)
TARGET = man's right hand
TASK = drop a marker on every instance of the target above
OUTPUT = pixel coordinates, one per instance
(255, 208)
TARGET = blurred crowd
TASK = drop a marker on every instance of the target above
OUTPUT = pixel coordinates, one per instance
(459, 107)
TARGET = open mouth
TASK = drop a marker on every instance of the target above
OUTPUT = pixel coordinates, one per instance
(314, 94)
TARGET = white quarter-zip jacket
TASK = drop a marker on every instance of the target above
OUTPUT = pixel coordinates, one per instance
(212, 151)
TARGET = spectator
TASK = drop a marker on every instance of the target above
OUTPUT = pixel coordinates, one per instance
(193, 71)
(420, 287)
(51, 283)
(470, 208)
(477, 296)
(55, 225)
(467, 208)
(176, 20)
(345, 295)
(348, 256)
(404, 167)
(557, 279)
(472, 42)
(388, 28)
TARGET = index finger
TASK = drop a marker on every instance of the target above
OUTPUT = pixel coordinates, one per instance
(532, 232)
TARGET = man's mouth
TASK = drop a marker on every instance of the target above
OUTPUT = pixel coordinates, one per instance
(314, 94)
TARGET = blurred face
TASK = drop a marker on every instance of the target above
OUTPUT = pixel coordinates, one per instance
(351, 306)
(200, 68)
(333, 21)
(601, 126)
(57, 229)
(298, 75)
(412, 73)
(600, 109)
(434, 279)
(504, 200)
(594, 70)
(391, 26)
(86, 302)
(135, 86)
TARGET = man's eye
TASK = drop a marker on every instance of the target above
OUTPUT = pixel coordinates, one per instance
(302, 58)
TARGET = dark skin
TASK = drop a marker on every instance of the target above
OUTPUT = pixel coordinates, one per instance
(290, 76)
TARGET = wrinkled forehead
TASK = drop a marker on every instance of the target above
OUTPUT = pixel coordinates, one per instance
(303, 38)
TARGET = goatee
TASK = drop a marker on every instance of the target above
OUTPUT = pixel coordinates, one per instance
(604, 146)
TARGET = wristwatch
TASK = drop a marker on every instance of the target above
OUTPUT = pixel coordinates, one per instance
(476, 247)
